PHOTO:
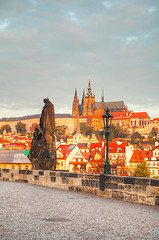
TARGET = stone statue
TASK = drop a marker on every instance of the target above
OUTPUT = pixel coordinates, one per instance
(43, 149)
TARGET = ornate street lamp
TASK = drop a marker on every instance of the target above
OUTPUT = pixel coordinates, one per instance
(107, 123)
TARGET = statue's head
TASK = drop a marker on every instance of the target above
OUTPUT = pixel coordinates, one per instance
(46, 100)
(37, 130)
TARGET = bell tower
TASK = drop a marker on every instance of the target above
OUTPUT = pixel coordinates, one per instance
(75, 104)
(88, 101)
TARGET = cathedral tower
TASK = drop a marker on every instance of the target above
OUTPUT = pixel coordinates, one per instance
(75, 105)
(88, 101)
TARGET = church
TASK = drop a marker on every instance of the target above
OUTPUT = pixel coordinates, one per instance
(89, 106)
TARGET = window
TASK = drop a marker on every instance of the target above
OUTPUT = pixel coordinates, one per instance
(19, 167)
(153, 172)
(61, 163)
(4, 166)
(13, 167)
(26, 167)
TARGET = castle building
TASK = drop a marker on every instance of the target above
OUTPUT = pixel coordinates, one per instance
(89, 106)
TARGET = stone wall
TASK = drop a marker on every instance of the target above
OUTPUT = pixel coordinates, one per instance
(132, 189)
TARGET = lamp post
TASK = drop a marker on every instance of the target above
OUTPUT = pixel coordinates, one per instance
(107, 123)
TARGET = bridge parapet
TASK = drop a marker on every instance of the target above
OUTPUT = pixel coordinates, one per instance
(132, 189)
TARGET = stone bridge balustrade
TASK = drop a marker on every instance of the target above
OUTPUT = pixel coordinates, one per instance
(132, 189)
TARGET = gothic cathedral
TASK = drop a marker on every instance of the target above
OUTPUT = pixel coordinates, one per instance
(89, 106)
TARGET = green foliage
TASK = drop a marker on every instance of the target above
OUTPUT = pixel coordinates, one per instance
(99, 134)
(136, 135)
(21, 128)
(6, 127)
(85, 129)
(117, 132)
(114, 132)
(151, 138)
(154, 132)
(60, 132)
(142, 170)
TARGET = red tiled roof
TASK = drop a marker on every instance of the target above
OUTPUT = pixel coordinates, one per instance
(140, 155)
(113, 147)
(99, 116)
(155, 120)
(64, 149)
(121, 115)
(140, 115)
(70, 137)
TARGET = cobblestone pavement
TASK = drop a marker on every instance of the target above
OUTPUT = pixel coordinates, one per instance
(36, 212)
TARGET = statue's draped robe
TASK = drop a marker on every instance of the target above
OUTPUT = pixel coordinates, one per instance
(47, 124)
(43, 150)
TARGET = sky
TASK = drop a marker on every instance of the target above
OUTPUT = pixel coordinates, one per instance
(50, 47)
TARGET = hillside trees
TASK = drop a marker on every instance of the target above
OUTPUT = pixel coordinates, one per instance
(21, 128)
(6, 127)
(136, 135)
(60, 132)
(154, 132)
(142, 170)
(85, 129)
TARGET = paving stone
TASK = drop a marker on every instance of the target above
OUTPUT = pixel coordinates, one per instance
(32, 212)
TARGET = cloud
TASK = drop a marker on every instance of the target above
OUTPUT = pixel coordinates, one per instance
(152, 9)
(4, 25)
(48, 48)
(73, 17)
(107, 4)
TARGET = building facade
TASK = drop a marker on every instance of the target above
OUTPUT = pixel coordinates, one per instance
(60, 120)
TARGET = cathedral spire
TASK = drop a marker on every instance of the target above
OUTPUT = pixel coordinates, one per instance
(89, 91)
(102, 99)
(75, 93)
(75, 104)
(83, 93)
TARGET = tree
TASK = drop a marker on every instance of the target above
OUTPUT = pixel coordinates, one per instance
(33, 126)
(21, 128)
(154, 131)
(136, 135)
(151, 138)
(85, 129)
(114, 132)
(6, 127)
(117, 132)
(61, 132)
(142, 170)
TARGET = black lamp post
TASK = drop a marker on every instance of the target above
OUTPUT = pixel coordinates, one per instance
(107, 123)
